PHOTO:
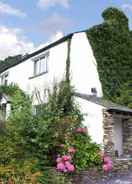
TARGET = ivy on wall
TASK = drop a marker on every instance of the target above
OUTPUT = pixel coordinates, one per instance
(68, 60)
(112, 45)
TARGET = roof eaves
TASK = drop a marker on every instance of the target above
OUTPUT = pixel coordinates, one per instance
(28, 56)
(110, 106)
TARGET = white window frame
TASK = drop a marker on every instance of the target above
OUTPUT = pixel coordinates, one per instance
(4, 78)
(41, 64)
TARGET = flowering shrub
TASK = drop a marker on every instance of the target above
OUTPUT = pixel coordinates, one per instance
(56, 132)
(64, 164)
(107, 163)
(79, 151)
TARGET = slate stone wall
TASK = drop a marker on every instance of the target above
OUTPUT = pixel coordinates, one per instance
(127, 136)
(108, 126)
(109, 119)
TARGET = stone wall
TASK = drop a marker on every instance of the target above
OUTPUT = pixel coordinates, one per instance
(108, 126)
(109, 119)
(122, 165)
(127, 136)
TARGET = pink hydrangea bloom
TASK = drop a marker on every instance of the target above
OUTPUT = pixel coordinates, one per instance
(78, 130)
(106, 167)
(66, 158)
(109, 166)
(71, 150)
(61, 167)
(70, 167)
(82, 130)
(107, 163)
(58, 160)
(106, 159)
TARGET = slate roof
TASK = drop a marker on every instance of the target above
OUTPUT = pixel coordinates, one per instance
(4, 66)
(27, 56)
(105, 103)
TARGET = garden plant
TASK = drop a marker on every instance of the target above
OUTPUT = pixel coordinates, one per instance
(48, 146)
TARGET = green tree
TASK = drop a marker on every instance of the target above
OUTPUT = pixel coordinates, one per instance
(112, 45)
(125, 97)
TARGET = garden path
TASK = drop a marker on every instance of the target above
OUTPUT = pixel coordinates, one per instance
(126, 179)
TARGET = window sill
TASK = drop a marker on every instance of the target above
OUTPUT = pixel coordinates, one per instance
(38, 75)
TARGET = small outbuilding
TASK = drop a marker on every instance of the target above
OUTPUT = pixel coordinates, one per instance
(109, 124)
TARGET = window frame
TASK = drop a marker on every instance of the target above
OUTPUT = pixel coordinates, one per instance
(4, 78)
(39, 60)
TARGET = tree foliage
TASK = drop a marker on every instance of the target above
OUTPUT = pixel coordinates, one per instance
(125, 97)
(9, 62)
(112, 45)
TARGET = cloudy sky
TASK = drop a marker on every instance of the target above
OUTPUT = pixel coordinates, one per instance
(27, 24)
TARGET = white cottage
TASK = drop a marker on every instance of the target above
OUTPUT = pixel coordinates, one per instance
(72, 56)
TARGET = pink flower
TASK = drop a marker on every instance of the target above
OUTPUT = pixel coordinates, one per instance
(61, 167)
(66, 158)
(58, 160)
(71, 150)
(106, 159)
(79, 130)
(82, 130)
(70, 167)
(109, 165)
(106, 167)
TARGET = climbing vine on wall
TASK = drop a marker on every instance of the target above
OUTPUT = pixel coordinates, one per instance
(68, 60)
(112, 45)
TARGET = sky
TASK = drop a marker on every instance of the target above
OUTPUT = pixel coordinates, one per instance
(26, 25)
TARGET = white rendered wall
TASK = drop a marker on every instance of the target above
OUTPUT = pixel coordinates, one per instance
(84, 74)
(93, 119)
(56, 67)
(21, 73)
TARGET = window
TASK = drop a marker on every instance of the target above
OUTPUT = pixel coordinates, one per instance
(41, 64)
(4, 79)
(94, 91)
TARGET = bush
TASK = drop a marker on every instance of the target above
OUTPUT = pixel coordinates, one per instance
(53, 132)
(51, 176)
(87, 154)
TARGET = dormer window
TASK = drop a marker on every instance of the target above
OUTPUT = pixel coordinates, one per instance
(41, 64)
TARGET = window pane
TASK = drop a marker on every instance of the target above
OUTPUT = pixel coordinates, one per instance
(37, 67)
(4, 79)
(40, 65)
